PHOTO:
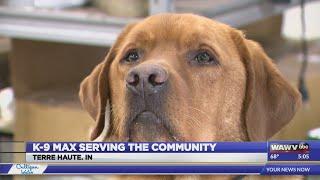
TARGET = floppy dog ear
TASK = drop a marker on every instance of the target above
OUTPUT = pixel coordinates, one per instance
(270, 101)
(94, 90)
(93, 97)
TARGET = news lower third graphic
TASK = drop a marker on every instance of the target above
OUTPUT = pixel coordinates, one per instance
(259, 158)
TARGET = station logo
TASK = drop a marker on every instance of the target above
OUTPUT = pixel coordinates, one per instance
(302, 147)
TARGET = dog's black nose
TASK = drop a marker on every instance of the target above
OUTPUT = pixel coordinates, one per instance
(146, 79)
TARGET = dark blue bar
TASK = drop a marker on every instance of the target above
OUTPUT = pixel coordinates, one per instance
(4, 168)
(269, 169)
(291, 169)
(221, 147)
(152, 169)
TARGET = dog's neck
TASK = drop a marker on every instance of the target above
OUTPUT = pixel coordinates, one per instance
(106, 127)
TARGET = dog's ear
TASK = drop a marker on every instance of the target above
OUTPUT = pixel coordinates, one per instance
(270, 101)
(94, 89)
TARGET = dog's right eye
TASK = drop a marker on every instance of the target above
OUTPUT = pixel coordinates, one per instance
(132, 56)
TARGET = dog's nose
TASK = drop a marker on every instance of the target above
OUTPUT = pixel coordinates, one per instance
(147, 79)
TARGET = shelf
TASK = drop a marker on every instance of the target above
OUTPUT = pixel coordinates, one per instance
(79, 27)
(66, 97)
(91, 27)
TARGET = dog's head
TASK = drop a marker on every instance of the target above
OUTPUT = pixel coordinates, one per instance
(182, 77)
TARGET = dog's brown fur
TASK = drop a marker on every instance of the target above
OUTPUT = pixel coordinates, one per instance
(243, 97)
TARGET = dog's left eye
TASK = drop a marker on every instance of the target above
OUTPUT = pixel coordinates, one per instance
(132, 56)
(204, 58)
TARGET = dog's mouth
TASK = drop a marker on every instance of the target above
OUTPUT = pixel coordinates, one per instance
(148, 127)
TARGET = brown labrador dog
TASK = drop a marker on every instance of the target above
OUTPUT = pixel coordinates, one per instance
(183, 77)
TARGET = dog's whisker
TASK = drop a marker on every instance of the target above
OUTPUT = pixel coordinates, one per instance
(202, 112)
(191, 107)
(188, 121)
(183, 99)
(194, 121)
(115, 129)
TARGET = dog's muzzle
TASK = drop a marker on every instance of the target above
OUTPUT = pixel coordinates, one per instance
(146, 90)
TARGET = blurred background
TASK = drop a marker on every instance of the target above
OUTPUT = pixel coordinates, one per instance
(48, 46)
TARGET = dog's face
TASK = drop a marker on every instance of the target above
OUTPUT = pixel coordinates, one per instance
(182, 77)
(177, 78)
